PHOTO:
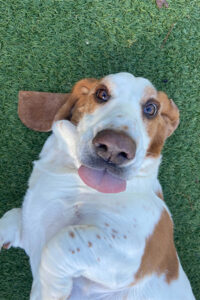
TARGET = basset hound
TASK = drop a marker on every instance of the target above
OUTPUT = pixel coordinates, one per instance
(93, 222)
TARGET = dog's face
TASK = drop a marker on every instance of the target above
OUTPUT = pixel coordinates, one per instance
(121, 121)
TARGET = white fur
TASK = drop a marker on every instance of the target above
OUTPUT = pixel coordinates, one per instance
(62, 218)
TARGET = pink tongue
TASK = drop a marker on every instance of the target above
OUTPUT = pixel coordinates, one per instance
(101, 180)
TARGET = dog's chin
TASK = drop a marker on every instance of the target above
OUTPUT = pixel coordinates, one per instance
(102, 176)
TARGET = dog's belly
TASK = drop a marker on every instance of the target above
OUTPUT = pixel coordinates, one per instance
(54, 202)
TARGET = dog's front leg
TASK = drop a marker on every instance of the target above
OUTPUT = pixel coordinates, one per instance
(10, 229)
(80, 250)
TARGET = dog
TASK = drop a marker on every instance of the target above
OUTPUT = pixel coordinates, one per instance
(93, 222)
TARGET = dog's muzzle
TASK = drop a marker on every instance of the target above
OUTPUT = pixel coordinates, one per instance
(113, 150)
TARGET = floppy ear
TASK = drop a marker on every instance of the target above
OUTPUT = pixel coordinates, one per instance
(37, 110)
(169, 112)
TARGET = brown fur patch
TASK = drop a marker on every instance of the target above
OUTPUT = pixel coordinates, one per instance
(71, 233)
(160, 195)
(81, 101)
(163, 124)
(89, 244)
(160, 254)
(38, 110)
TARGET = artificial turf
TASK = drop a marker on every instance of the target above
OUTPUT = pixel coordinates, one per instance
(48, 45)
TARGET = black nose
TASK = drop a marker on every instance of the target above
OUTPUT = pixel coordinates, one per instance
(114, 146)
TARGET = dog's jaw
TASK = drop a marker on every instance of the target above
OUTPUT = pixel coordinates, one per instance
(66, 139)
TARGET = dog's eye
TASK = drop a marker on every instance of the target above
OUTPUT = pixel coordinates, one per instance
(102, 95)
(150, 109)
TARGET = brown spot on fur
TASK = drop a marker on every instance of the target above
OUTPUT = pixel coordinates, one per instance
(160, 195)
(115, 231)
(113, 236)
(125, 237)
(89, 244)
(71, 233)
(160, 253)
(78, 249)
(163, 124)
(98, 259)
(73, 252)
(107, 225)
(125, 127)
(98, 236)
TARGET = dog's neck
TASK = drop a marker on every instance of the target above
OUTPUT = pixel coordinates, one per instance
(146, 180)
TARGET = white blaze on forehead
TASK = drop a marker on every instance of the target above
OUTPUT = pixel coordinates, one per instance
(126, 85)
(126, 93)
(127, 96)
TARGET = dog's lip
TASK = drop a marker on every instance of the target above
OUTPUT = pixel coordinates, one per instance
(101, 180)
(94, 162)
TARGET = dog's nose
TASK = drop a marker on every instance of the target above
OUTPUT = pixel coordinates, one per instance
(114, 146)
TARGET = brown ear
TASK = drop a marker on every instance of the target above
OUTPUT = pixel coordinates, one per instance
(169, 112)
(37, 110)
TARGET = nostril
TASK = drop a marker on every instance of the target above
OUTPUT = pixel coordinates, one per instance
(123, 155)
(102, 147)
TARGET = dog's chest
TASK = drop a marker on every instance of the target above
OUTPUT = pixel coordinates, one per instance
(54, 202)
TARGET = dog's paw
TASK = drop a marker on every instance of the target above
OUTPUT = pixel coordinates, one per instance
(10, 227)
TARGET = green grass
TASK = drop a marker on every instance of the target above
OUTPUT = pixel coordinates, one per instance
(48, 45)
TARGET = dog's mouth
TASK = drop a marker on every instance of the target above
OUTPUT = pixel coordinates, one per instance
(101, 180)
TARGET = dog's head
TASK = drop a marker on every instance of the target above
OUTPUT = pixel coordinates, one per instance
(121, 121)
